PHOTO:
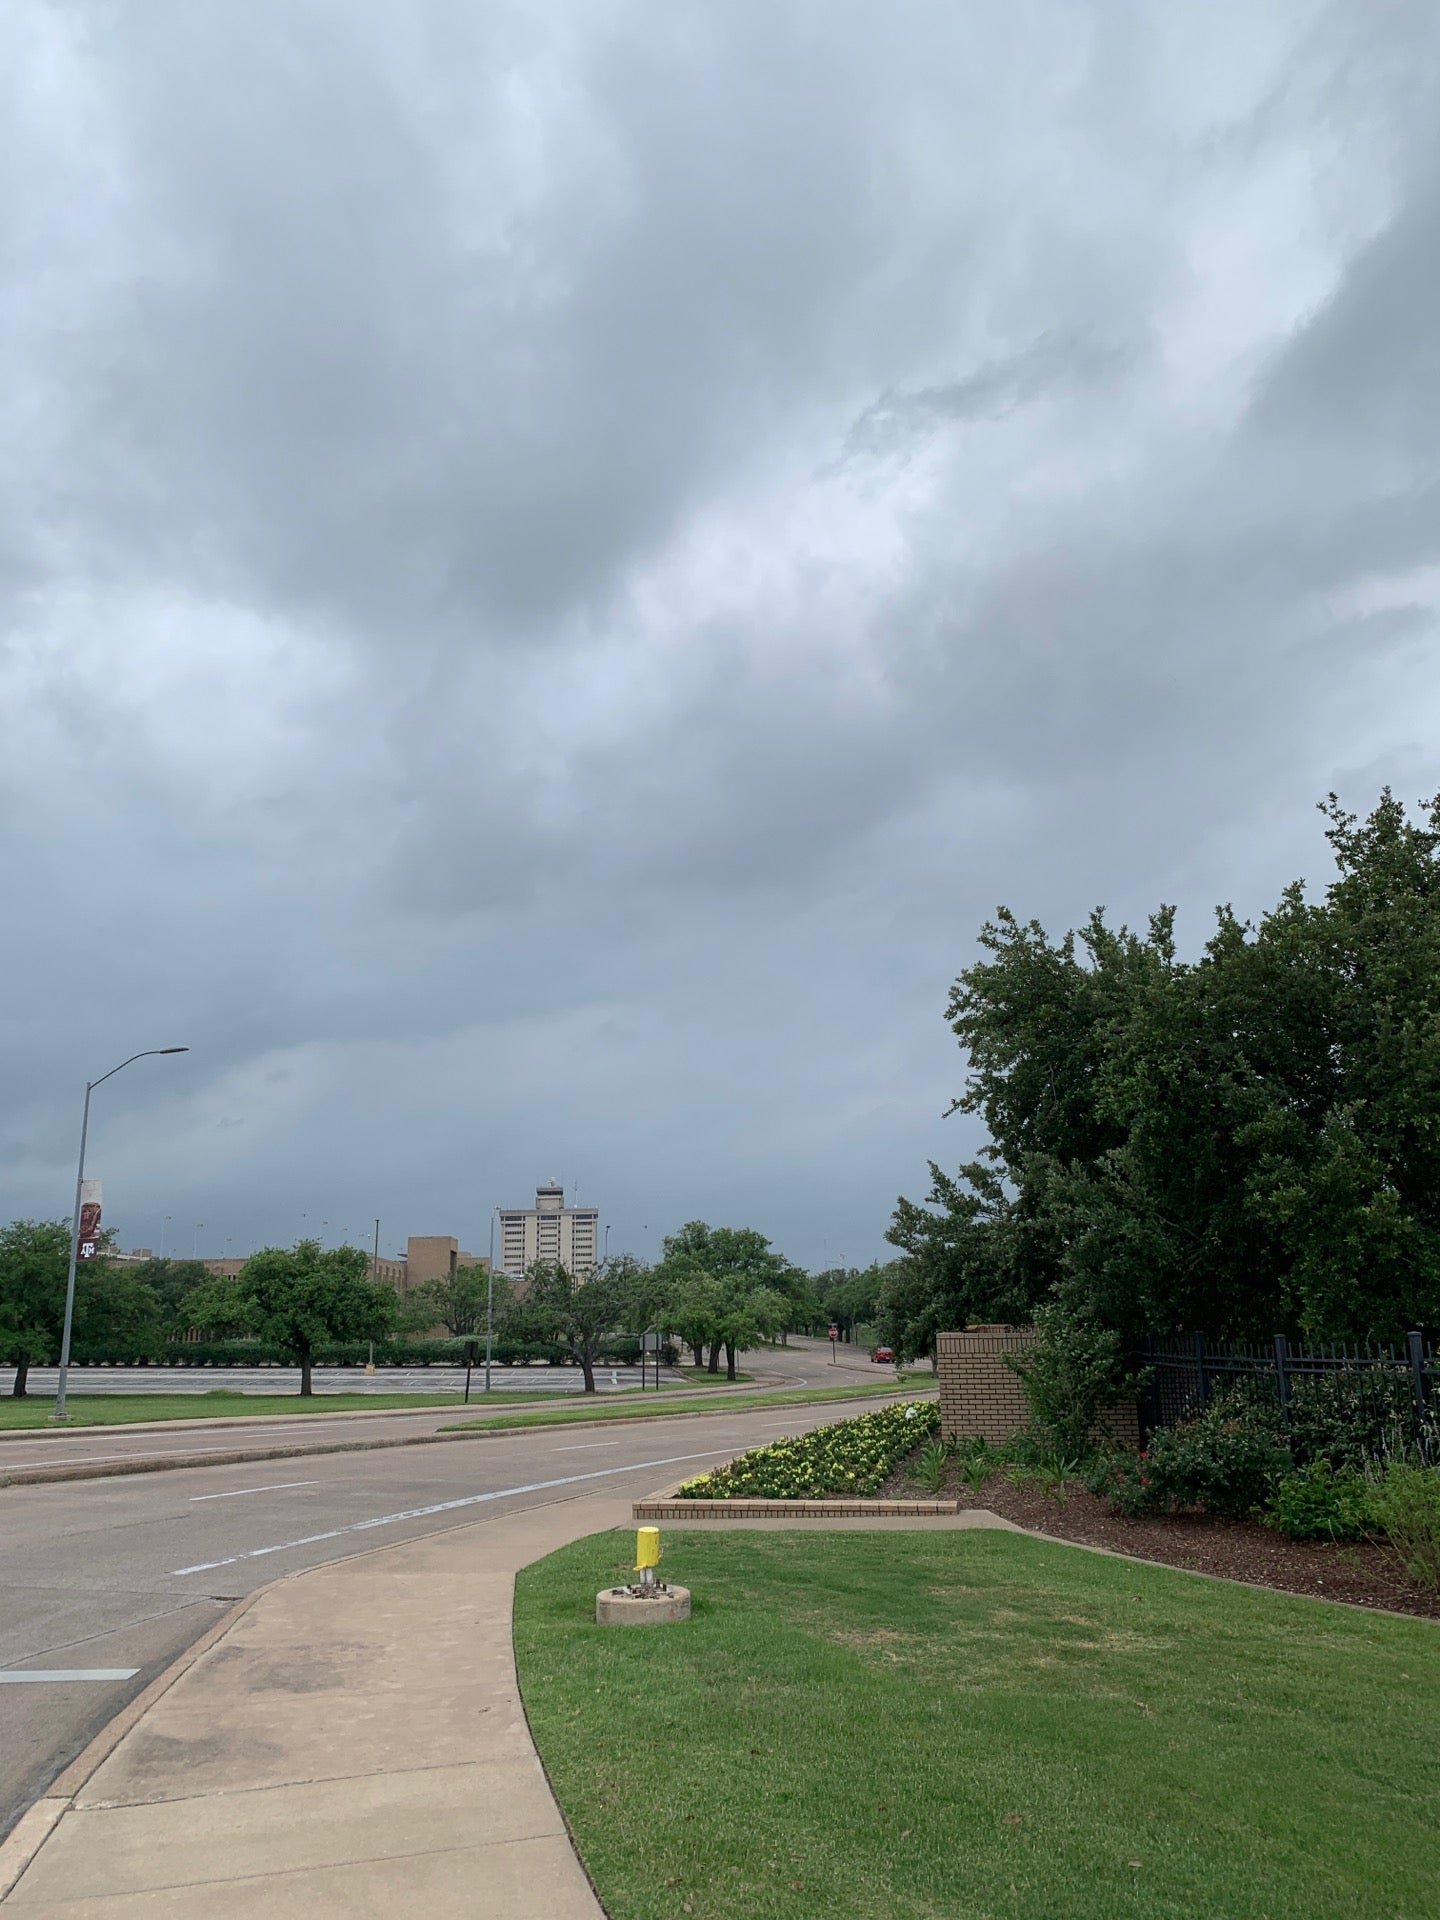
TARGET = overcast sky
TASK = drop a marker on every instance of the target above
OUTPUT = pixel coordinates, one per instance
(557, 561)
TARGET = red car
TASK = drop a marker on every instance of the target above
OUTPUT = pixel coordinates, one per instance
(884, 1354)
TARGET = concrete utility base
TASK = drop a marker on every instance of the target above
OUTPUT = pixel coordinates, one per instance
(619, 1607)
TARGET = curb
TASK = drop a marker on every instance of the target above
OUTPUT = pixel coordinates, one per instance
(211, 1423)
(38, 1822)
(34, 1827)
(174, 1463)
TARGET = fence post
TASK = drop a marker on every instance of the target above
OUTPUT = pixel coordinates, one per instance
(1200, 1371)
(1282, 1375)
(1145, 1397)
(1415, 1348)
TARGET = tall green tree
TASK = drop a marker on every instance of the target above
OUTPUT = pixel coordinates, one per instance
(301, 1298)
(726, 1266)
(118, 1315)
(583, 1313)
(695, 1309)
(457, 1301)
(1239, 1144)
(172, 1282)
(34, 1260)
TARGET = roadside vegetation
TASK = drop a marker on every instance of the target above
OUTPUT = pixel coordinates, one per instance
(841, 1462)
(915, 1724)
(123, 1409)
(656, 1408)
(1242, 1143)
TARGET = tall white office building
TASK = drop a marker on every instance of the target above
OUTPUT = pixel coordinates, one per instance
(549, 1231)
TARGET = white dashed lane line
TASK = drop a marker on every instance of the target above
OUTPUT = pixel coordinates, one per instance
(68, 1673)
(443, 1506)
(278, 1486)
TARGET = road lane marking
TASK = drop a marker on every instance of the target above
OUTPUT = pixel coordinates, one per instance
(70, 1673)
(441, 1506)
(276, 1486)
(588, 1446)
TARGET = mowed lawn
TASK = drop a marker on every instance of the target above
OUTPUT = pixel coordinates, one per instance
(552, 1409)
(970, 1724)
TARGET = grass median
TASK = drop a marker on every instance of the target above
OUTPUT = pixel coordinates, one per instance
(908, 1725)
(552, 1408)
(121, 1409)
(653, 1408)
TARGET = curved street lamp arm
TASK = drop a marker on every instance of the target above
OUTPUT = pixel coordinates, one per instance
(144, 1054)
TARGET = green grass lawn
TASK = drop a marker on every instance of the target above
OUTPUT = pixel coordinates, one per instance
(653, 1407)
(118, 1409)
(967, 1724)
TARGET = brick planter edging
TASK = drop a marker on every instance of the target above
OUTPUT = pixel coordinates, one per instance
(665, 1506)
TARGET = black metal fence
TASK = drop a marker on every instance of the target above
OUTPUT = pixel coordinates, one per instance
(1365, 1399)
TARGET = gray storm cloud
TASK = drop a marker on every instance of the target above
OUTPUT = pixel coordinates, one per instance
(555, 563)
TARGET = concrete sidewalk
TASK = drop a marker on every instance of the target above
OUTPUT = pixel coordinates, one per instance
(349, 1742)
(352, 1744)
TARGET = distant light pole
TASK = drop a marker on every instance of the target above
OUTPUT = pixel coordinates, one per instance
(490, 1300)
(195, 1240)
(164, 1234)
(90, 1086)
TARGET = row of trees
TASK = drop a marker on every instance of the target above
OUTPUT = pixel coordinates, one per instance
(1242, 1143)
(720, 1290)
(134, 1309)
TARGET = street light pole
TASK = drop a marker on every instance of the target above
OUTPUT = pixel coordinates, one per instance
(490, 1300)
(90, 1086)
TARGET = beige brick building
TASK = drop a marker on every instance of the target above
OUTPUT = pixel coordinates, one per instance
(548, 1231)
(427, 1256)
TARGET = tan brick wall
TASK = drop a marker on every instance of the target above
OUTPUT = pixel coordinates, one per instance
(981, 1397)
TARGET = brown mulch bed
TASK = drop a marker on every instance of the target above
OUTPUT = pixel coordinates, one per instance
(1364, 1575)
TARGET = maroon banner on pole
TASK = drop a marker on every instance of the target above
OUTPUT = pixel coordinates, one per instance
(91, 1202)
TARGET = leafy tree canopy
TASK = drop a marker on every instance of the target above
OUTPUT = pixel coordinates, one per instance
(34, 1259)
(457, 1301)
(581, 1312)
(1242, 1143)
(300, 1298)
(727, 1288)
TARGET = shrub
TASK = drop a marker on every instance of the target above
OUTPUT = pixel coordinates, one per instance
(1226, 1461)
(1404, 1502)
(1351, 1416)
(847, 1460)
(1124, 1480)
(1072, 1370)
(976, 1469)
(930, 1467)
(1317, 1503)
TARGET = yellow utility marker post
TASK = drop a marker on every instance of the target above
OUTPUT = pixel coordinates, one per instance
(650, 1601)
(647, 1555)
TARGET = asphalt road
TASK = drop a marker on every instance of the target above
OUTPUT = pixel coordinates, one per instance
(125, 1572)
(198, 1440)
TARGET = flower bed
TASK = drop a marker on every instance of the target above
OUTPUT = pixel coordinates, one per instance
(844, 1461)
